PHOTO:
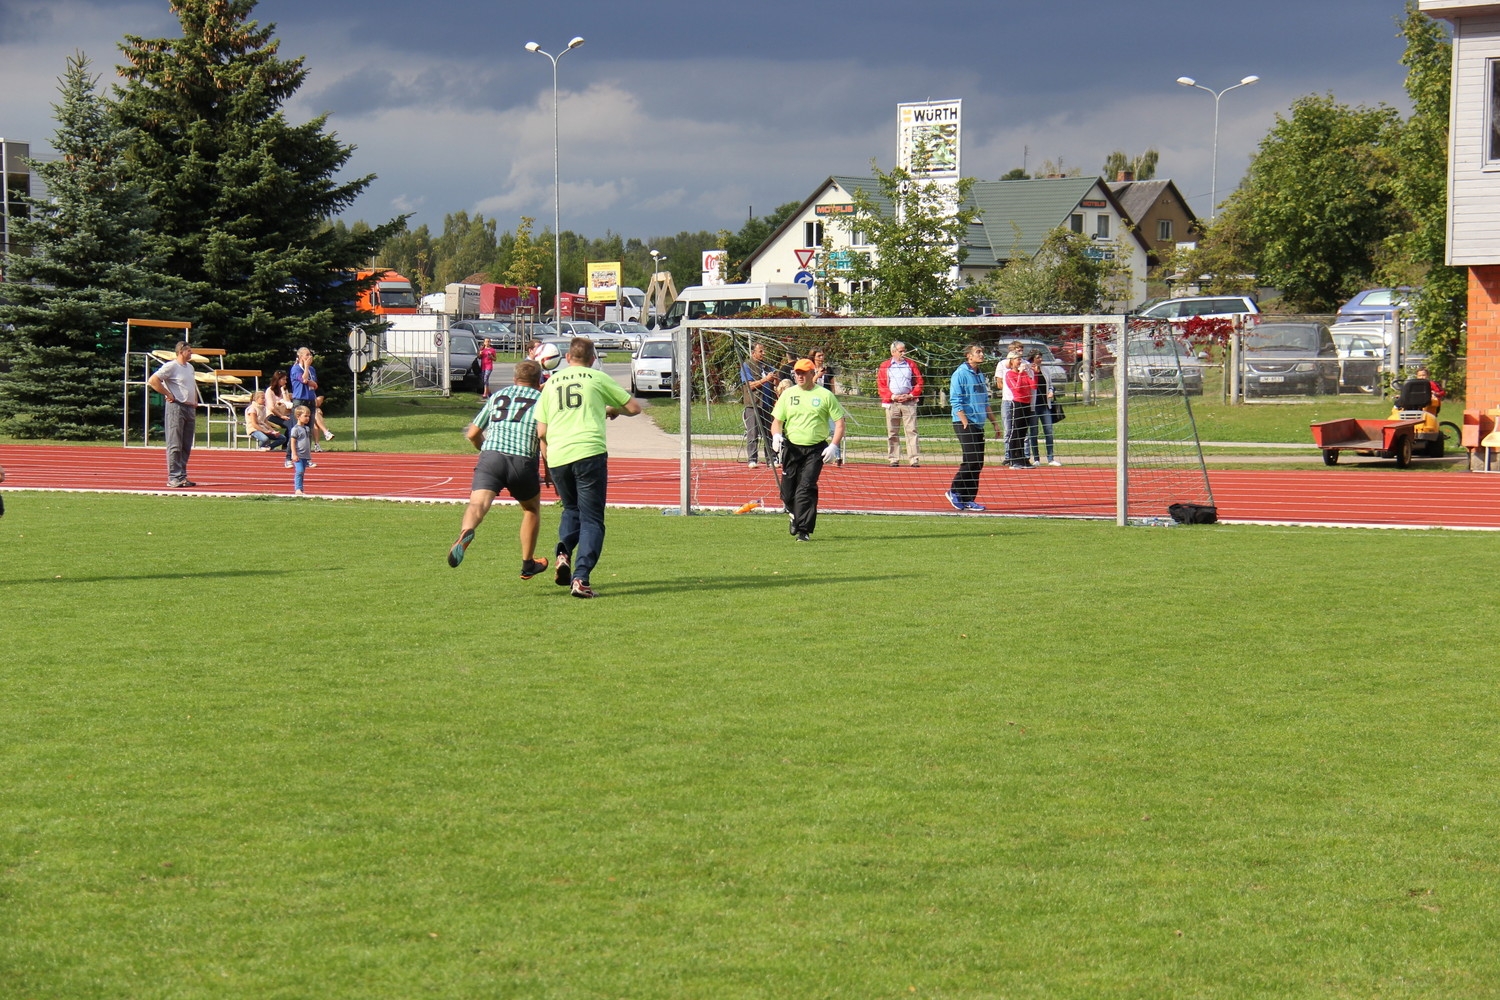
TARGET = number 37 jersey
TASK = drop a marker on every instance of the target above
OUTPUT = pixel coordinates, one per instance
(572, 407)
(509, 421)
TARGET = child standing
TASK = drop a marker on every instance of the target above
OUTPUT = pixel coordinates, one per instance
(300, 451)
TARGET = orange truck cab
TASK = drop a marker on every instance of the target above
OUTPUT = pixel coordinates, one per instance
(391, 295)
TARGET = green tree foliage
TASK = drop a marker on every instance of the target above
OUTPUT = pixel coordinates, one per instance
(1316, 204)
(243, 197)
(1016, 174)
(528, 257)
(739, 246)
(1415, 250)
(466, 247)
(1067, 275)
(89, 268)
(1143, 167)
(409, 253)
(918, 246)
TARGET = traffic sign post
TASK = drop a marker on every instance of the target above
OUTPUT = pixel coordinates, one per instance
(360, 349)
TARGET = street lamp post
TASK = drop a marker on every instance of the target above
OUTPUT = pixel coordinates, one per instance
(1187, 81)
(556, 187)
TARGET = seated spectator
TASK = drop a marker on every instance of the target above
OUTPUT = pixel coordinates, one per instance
(258, 424)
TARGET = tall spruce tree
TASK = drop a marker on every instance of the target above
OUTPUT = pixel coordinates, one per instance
(244, 197)
(86, 268)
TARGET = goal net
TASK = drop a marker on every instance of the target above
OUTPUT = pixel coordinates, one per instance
(1121, 442)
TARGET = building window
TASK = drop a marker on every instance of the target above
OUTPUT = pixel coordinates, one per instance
(1164, 229)
(1492, 151)
(857, 238)
(1101, 229)
(1075, 222)
(812, 234)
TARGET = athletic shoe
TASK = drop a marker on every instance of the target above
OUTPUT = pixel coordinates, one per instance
(1056, 463)
(753, 465)
(915, 464)
(456, 554)
(184, 485)
(804, 537)
(312, 465)
(971, 505)
(895, 465)
(564, 575)
(289, 463)
(328, 435)
(531, 567)
(954, 500)
(317, 447)
(583, 590)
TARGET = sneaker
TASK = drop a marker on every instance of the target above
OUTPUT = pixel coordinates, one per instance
(916, 464)
(583, 590)
(451, 563)
(328, 435)
(312, 465)
(288, 463)
(317, 447)
(895, 465)
(804, 537)
(953, 499)
(456, 554)
(971, 505)
(531, 567)
(1055, 462)
(564, 575)
(186, 484)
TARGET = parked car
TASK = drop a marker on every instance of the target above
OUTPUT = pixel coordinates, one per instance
(563, 344)
(1052, 366)
(629, 332)
(1154, 365)
(1180, 310)
(1359, 359)
(583, 328)
(1293, 358)
(652, 369)
(499, 333)
(1376, 304)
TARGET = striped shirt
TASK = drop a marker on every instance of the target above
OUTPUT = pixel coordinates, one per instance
(509, 421)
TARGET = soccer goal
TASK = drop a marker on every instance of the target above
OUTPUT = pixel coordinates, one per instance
(1122, 442)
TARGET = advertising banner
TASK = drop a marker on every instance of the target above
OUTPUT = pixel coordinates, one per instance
(711, 261)
(927, 139)
(604, 281)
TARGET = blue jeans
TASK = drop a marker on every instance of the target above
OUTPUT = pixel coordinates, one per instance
(1041, 420)
(299, 469)
(269, 440)
(581, 486)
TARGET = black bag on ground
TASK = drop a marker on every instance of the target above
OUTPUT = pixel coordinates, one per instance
(1058, 416)
(1194, 513)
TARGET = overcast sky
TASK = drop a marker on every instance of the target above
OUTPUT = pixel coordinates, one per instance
(685, 116)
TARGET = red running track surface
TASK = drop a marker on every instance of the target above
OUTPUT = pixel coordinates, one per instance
(1349, 495)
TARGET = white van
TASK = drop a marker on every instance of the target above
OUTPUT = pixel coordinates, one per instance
(708, 302)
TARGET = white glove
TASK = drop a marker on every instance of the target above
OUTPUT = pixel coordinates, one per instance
(776, 440)
(831, 453)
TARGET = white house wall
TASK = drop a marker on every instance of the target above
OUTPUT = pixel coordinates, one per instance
(1474, 188)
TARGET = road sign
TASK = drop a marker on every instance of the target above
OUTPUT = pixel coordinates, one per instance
(359, 340)
(805, 256)
(358, 361)
(804, 278)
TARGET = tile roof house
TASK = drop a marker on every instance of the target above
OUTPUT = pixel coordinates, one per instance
(1160, 214)
(1014, 217)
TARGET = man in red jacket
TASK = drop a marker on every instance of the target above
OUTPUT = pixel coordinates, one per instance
(900, 383)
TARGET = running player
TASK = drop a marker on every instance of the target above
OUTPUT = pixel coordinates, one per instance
(575, 404)
(510, 452)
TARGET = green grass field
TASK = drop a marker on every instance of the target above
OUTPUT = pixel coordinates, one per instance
(278, 749)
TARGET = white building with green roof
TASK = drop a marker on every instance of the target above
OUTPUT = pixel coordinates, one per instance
(1014, 217)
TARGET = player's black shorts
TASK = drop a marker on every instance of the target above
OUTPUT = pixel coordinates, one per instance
(498, 471)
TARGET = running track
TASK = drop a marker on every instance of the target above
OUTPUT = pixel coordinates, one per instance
(1371, 495)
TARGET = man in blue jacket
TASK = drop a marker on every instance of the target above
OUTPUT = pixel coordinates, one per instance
(969, 392)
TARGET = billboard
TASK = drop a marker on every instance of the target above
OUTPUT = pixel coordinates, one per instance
(927, 139)
(711, 261)
(604, 281)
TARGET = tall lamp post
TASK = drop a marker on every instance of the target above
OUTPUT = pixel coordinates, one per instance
(1187, 81)
(556, 187)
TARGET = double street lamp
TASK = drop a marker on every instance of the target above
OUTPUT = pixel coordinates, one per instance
(556, 187)
(1187, 81)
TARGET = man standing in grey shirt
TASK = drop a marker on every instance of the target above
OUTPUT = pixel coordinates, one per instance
(174, 380)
